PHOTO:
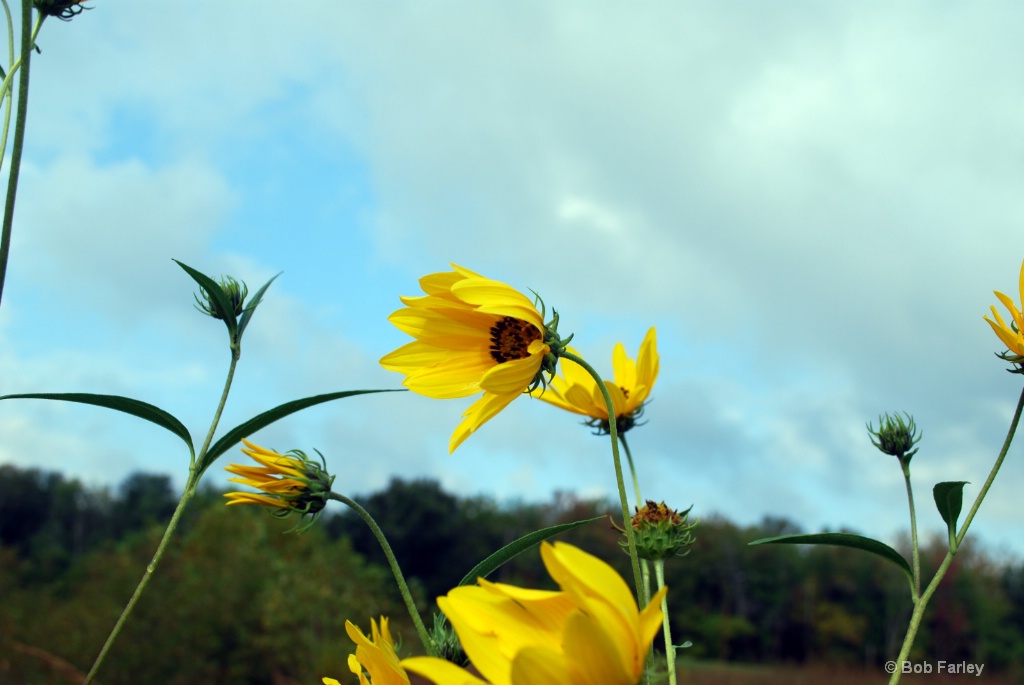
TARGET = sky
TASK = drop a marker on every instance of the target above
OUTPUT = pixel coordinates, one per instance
(811, 202)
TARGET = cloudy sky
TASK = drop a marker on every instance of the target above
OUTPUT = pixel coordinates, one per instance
(812, 202)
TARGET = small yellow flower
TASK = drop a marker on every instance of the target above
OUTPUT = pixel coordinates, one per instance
(576, 390)
(377, 656)
(1012, 335)
(473, 334)
(588, 633)
(289, 484)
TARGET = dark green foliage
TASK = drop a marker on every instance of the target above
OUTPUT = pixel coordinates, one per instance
(237, 601)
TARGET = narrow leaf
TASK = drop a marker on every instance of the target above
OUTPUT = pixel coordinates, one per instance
(949, 499)
(243, 430)
(517, 547)
(843, 540)
(122, 404)
(254, 302)
(222, 301)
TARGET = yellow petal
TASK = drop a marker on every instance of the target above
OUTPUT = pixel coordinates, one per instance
(541, 666)
(440, 671)
(479, 413)
(511, 377)
(596, 654)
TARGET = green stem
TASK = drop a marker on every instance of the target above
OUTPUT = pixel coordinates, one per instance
(670, 649)
(194, 474)
(27, 44)
(995, 469)
(403, 587)
(190, 488)
(5, 92)
(913, 531)
(922, 602)
(613, 431)
(632, 469)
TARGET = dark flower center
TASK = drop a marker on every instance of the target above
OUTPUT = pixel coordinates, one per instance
(511, 338)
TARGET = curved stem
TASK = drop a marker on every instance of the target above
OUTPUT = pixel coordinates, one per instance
(913, 531)
(194, 474)
(27, 44)
(613, 431)
(403, 587)
(922, 602)
(670, 649)
(995, 469)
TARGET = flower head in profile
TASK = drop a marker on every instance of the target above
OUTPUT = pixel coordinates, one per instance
(589, 632)
(576, 390)
(375, 660)
(472, 335)
(1011, 335)
(289, 483)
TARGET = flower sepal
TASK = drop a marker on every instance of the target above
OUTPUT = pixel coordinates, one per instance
(661, 532)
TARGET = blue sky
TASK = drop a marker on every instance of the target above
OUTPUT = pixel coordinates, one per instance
(811, 202)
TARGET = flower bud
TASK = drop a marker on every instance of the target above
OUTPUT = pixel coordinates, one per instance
(661, 532)
(896, 436)
(234, 290)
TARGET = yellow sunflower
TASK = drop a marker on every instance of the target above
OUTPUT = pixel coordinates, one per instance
(1012, 335)
(576, 390)
(588, 633)
(473, 334)
(289, 483)
(377, 656)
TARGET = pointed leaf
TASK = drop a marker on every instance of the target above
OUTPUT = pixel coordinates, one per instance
(949, 499)
(251, 307)
(843, 540)
(221, 300)
(244, 430)
(121, 404)
(517, 547)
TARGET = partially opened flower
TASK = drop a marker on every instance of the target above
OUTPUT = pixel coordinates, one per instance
(590, 632)
(291, 483)
(577, 391)
(1012, 335)
(375, 660)
(473, 335)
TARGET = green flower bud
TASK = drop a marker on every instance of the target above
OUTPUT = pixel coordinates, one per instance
(661, 532)
(236, 292)
(896, 436)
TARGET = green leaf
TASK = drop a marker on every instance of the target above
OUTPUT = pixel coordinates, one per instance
(244, 430)
(843, 540)
(949, 499)
(251, 307)
(517, 547)
(221, 300)
(122, 404)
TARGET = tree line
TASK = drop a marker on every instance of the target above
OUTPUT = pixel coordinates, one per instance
(236, 600)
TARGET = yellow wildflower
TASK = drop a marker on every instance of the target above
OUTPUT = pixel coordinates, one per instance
(588, 633)
(576, 390)
(377, 656)
(1011, 335)
(290, 483)
(473, 334)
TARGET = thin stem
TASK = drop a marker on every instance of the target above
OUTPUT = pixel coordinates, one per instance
(922, 602)
(632, 469)
(190, 489)
(995, 469)
(27, 44)
(403, 587)
(194, 474)
(613, 431)
(670, 649)
(915, 618)
(913, 531)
